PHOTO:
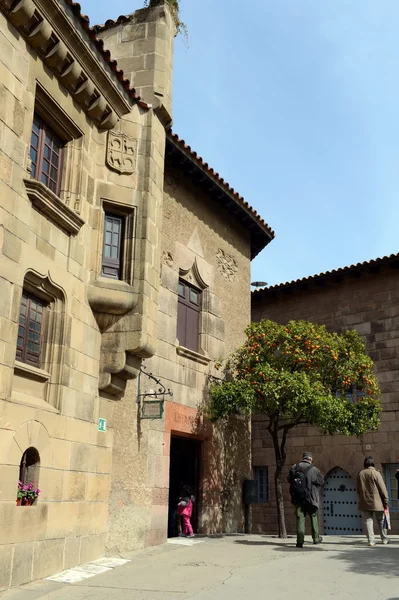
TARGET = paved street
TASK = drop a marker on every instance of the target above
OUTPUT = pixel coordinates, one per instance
(239, 567)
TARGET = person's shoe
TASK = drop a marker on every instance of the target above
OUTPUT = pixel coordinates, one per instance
(385, 542)
(371, 543)
(191, 535)
(319, 541)
(298, 545)
(182, 535)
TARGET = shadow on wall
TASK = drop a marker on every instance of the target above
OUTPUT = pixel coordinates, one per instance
(226, 462)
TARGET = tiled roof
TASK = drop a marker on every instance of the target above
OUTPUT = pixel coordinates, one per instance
(216, 177)
(111, 23)
(373, 265)
(99, 44)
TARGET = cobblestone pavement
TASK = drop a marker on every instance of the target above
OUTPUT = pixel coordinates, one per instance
(234, 567)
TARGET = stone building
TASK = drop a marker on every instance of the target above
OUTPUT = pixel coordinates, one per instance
(118, 245)
(364, 297)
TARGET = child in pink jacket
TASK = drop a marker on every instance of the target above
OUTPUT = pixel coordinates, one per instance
(185, 510)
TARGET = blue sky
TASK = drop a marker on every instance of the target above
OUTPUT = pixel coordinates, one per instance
(296, 104)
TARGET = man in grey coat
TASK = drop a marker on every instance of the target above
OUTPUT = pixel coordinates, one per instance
(373, 499)
(305, 481)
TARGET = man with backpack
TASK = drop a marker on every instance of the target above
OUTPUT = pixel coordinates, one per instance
(305, 480)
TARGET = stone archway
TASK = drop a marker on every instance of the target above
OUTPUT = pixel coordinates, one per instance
(351, 462)
(30, 434)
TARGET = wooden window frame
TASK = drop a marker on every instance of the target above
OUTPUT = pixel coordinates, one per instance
(185, 304)
(23, 353)
(262, 482)
(110, 263)
(37, 167)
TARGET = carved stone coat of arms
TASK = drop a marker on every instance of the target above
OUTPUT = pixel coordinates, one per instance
(121, 152)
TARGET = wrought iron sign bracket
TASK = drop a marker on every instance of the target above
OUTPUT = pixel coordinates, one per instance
(153, 407)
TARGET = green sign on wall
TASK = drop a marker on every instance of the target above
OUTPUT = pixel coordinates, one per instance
(102, 424)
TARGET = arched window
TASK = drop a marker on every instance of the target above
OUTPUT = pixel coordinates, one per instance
(28, 477)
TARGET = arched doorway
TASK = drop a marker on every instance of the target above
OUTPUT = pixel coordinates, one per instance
(341, 513)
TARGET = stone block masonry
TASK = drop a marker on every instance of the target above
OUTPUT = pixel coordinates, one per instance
(366, 303)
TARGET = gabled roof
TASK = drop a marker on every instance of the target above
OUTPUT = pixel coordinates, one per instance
(178, 151)
(335, 276)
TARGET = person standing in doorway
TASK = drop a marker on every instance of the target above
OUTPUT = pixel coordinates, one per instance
(305, 481)
(373, 500)
(185, 510)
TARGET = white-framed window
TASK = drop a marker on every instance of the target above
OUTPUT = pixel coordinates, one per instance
(262, 484)
(392, 486)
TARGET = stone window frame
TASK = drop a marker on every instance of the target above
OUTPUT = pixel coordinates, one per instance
(258, 477)
(192, 310)
(41, 130)
(57, 206)
(53, 335)
(193, 278)
(23, 353)
(128, 215)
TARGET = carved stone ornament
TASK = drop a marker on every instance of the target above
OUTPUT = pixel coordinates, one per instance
(121, 152)
(167, 259)
(227, 265)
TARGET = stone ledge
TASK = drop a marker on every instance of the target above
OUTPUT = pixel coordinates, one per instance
(109, 299)
(196, 356)
(30, 371)
(49, 204)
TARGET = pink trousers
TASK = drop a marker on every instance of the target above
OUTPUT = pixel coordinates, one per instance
(187, 529)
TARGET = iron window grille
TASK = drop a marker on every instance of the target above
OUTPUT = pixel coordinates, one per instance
(30, 330)
(188, 313)
(392, 487)
(262, 484)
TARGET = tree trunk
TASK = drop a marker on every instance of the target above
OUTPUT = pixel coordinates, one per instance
(280, 455)
(282, 530)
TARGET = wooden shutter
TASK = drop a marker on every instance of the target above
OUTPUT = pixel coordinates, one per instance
(188, 312)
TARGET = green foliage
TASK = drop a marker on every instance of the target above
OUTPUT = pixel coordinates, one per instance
(174, 6)
(300, 373)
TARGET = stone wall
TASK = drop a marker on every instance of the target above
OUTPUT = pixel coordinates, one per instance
(97, 330)
(368, 303)
(202, 244)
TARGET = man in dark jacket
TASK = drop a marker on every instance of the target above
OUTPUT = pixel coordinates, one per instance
(305, 481)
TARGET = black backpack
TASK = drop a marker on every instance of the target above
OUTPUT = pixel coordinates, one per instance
(299, 487)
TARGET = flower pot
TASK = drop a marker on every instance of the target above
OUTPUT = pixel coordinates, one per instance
(19, 501)
(28, 502)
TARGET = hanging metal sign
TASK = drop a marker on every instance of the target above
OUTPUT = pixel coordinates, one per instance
(152, 409)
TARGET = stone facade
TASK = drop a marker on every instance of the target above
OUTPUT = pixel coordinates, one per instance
(195, 231)
(366, 298)
(106, 488)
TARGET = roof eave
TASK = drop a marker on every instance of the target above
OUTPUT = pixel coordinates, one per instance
(261, 233)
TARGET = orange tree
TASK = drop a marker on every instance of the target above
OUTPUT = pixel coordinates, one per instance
(298, 374)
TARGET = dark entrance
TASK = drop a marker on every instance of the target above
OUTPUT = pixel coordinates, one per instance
(184, 470)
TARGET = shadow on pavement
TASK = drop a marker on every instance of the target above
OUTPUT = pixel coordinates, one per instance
(379, 560)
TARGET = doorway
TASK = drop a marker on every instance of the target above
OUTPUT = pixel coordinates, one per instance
(185, 455)
(341, 504)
